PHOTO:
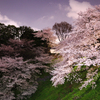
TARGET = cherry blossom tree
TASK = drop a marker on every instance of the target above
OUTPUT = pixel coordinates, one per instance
(21, 62)
(18, 76)
(81, 48)
(14, 74)
(47, 35)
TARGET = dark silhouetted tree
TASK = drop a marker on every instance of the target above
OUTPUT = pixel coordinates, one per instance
(6, 32)
(62, 29)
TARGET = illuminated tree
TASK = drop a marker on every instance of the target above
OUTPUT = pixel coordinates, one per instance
(81, 48)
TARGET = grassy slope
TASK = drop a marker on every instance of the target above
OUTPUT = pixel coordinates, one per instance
(47, 92)
(66, 91)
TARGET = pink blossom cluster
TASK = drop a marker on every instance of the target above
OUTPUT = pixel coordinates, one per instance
(20, 62)
(81, 47)
(16, 74)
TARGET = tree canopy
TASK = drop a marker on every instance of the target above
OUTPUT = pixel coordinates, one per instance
(23, 53)
(81, 50)
(62, 29)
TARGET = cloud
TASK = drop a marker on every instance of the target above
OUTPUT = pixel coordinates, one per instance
(45, 18)
(42, 18)
(76, 7)
(63, 7)
(67, 8)
(60, 6)
(51, 17)
(4, 19)
(35, 29)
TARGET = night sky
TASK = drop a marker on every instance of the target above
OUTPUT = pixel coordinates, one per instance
(40, 14)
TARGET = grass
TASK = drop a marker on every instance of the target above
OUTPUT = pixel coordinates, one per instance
(67, 91)
(84, 94)
(46, 91)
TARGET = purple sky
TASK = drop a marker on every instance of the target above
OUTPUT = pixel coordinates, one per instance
(40, 14)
